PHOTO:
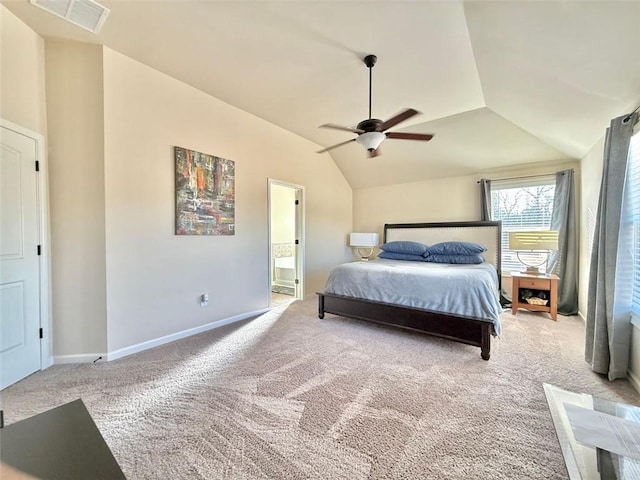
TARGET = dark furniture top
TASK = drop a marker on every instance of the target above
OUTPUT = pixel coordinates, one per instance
(63, 443)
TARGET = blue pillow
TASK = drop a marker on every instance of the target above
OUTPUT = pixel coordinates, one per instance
(413, 248)
(402, 256)
(455, 248)
(452, 258)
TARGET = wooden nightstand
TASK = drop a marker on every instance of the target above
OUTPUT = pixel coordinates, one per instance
(548, 283)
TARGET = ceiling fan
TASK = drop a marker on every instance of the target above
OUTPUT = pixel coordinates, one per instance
(372, 131)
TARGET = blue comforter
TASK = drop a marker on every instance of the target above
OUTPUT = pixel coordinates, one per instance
(465, 290)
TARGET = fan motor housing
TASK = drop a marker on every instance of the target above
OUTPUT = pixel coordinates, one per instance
(370, 125)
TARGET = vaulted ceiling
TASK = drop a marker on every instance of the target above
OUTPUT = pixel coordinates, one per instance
(498, 83)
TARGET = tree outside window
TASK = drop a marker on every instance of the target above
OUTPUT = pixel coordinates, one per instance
(526, 207)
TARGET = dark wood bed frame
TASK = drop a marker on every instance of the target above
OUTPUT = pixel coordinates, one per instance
(469, 330)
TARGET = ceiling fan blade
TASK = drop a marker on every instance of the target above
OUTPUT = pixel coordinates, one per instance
(340, 127)
(410, 136)
(335, 146)
(401, 117)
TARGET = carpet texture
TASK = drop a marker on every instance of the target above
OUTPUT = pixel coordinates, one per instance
(289, 396)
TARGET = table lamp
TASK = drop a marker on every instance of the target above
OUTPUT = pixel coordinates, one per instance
(533, 242)
(362, 241)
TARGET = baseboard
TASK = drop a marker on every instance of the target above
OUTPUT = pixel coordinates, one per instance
(582, 317)
(156, 342)
(123, 352)
(80, 358)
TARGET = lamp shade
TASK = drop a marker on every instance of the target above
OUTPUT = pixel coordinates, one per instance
(371, 140)
(363, 239)
(533, 240)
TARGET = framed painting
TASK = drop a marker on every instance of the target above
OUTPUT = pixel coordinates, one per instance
(205, 197)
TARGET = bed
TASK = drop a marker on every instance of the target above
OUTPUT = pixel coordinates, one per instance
(472, 324)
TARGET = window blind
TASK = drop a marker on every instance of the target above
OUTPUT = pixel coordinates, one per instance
(633, 195)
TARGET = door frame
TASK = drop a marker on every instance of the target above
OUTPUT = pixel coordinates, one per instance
(299, 230)
(42, 192)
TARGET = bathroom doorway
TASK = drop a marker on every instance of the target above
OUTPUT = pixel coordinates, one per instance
(286, 242)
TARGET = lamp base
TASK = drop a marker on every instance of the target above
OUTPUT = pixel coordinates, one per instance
(532, 271)
(363, 257)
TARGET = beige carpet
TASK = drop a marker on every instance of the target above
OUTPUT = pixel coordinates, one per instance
(290, 396)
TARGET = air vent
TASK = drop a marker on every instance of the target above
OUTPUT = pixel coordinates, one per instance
(86, 14)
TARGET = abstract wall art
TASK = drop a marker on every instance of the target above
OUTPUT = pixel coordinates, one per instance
(205, 196)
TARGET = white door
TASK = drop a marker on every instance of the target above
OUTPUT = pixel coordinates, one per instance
(19, 262)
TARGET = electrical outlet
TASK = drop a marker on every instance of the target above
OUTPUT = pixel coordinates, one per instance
(204, 299)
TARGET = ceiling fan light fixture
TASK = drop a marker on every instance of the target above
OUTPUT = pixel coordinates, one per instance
(372, 131)
(371, 140)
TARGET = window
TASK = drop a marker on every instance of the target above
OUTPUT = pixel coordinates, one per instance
(522, 204)
(632, 191)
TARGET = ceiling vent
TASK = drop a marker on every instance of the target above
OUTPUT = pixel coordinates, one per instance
(86, 14)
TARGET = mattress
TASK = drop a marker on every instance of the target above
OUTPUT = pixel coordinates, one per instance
(462, 290)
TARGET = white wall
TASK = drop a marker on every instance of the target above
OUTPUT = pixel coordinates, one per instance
(154, 278)
(444, 199)
(76, 192)
(591, 167)
(438, 200)
(22, 83)
(283, 222)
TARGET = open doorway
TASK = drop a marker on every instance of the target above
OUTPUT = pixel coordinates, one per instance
(286, 242)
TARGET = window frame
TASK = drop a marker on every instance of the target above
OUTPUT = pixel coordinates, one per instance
(544, 179)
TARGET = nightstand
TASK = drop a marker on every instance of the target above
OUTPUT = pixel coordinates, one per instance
(546, 283)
